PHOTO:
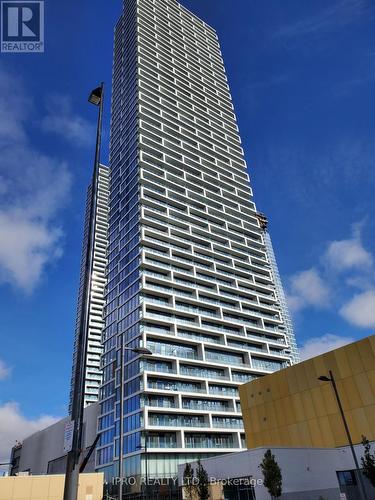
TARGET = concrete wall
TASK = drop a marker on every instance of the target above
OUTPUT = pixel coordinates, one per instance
(47, 445)
(49, 487)
(307, 472)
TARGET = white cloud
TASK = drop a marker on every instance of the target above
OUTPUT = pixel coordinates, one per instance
(345, 264)
(15, 427)
(34, 187)
(14, 108)
(348, 254)
(4, 370)
(61, 120)
(336, 15)
(308, 289)
(27, 246)
(319, 345)
(360, 310)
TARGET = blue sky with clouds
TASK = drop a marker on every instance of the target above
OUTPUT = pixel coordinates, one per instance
(302, 75)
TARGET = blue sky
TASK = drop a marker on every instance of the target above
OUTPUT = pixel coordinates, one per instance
(302, 75)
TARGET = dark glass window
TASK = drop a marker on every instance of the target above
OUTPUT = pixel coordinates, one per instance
(346, 478)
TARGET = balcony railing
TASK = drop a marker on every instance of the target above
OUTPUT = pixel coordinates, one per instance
(224, 391)
(224, 358)
(205, 407)
(208, 443)
(177, 422)
(231, 424)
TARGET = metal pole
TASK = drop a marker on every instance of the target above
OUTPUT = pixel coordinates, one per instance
(146, 462)
(72, 467)
(88, 456)
(121, 451)
(361, 485)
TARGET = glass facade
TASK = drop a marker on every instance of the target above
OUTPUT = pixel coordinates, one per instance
(292, 348)
(188, 274)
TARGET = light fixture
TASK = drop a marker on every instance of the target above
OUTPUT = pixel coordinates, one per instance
(142, 350)
(96, 96)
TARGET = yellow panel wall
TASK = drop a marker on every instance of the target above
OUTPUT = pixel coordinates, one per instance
(293, 408)
(49, 487)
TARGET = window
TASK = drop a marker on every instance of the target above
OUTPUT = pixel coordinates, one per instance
(346, 478)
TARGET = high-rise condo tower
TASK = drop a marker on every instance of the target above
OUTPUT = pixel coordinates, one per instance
(188, 274)
(94, 298)
(279, 290)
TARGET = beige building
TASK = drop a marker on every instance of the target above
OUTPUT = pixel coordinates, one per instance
(49, 487)
(293, 408)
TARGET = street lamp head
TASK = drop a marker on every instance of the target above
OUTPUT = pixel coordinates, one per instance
(96, 96)
(142, 350)
(323, 378)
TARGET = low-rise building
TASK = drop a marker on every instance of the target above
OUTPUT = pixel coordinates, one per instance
(307, 474)
(43, 452)
(293, 408)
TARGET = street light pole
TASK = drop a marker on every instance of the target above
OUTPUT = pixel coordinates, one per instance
(145, 448)
(78, 400)
(332, 380)
(146, 462)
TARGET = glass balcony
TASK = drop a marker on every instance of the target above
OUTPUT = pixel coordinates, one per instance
(244, 345)
(245, 321)
(159, 401)
(167, 266)
(181, 293)
(264, 364)
(219, 328)
(156, 300)
(172, 350)
(224, 358)
(177, 420)
(208, 441)
(238, 297)
(242, 377)
(266, 337)
(265, 315)
(167, 385)
(156, 367)
(154, 230)
(213, 280)
(202, 372)
(162, 440)
(149, 328)
(191, 262)
(196, 310)
(147, 207)
(184, 321)
(205, 405)
(200, 337)
(278, 352)
(222, 422)
(169, 317)
(155, 252)
(223, 390)
(219, 302)
(270, 295)
(153, 274)
(193, 284)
